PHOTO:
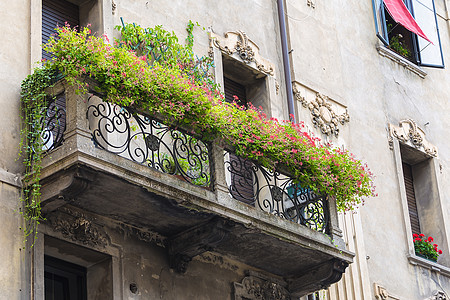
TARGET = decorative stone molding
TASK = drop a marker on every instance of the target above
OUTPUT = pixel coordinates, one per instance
(237, 44)
(311, 3)
(382, 294)
(259, 287)
(78, 227)
(409, 133)
(386, 52)
(323, 113)
(144, 235)
(218, 260)
(437, 295)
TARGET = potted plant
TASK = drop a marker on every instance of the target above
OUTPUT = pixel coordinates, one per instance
(424, 248)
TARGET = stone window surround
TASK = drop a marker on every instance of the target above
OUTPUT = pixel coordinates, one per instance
(99, 15)
(95, 242)
(235, 45)
(414, 260)
(402, 61)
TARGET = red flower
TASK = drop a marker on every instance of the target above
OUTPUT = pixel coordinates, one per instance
(421, 235)
(430, 239)
(440, 251)
(415, 235)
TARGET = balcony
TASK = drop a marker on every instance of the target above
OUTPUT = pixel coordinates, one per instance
(131, 167)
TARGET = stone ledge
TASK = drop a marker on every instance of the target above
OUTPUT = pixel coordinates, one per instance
(10, 178)
(386, 52)
(432, 266)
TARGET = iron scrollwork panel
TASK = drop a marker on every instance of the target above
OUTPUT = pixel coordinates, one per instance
(275, 193)
(54, 125)
(147, 141)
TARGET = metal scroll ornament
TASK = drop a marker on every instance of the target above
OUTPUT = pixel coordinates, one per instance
(54, 123)
(147, 141)
(275, 193)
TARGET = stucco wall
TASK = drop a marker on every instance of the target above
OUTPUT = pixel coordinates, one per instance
(334, 53)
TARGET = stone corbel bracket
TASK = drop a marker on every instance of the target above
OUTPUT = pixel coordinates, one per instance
(238, 45)
(409, 133)
(195, 241)
(324, 111)
(382, 294)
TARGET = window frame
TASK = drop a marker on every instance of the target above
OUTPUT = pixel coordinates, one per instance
(379, 13)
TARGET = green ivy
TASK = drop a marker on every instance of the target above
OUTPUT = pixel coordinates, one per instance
(34, 108)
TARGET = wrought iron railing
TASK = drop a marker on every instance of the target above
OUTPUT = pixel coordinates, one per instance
(148, 141)
(54, 125)
(275, 193)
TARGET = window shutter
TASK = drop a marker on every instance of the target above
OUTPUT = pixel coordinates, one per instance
(425, 14)
(411, 197)
(242, 179)
(232, 88)
(56, 13)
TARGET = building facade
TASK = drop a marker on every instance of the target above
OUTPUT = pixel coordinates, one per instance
(116, 228)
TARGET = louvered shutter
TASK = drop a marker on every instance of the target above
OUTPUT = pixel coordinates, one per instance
(56, 13)
(242, 178)
(232, 88)
(411, 197)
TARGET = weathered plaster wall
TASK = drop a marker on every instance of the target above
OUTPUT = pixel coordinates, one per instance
(335, 54)
(15, 65)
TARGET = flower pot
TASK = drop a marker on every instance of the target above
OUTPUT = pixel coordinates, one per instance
(423, 256)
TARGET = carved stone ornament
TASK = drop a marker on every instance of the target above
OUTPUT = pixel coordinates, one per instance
(311, 3)
(78, 227)
(323, 114)
(409, 133)
(382, 294)
(438, 295)
(259, 287)
(236, 43)
(144, 235)
(113, 7)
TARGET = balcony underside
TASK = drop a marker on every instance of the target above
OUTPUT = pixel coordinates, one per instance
(192, 219)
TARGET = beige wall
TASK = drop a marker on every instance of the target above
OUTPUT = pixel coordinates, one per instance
(334, 54)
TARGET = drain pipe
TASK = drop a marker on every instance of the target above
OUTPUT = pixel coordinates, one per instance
(286, 64)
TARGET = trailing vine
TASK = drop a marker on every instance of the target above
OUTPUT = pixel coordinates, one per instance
(34, 110)
(150, 71)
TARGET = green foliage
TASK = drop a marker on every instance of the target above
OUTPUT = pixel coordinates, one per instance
(424, 247)
(397, 43)
(33, 115)
(149, 70)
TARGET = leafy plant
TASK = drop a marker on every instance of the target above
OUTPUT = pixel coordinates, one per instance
(397, 43)
(34, 108)
(423, 247)
(150, 71)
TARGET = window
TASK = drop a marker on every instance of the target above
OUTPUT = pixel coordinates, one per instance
(64, 280)
(422, 201)
(411, 198)
(243, 190)
(57, 13)
(406, 43)
(73, 272)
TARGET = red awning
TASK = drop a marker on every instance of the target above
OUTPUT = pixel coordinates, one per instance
(401, 15)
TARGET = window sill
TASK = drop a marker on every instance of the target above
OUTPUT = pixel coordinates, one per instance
(386, 52)
(425, 263)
